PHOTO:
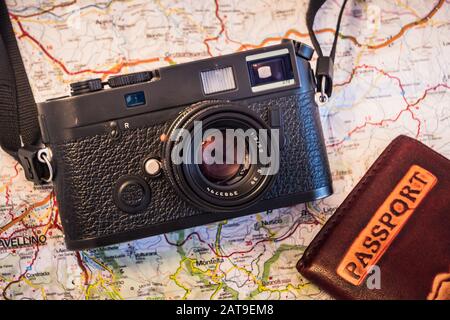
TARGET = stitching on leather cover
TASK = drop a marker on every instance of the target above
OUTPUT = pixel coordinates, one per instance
(317, 242)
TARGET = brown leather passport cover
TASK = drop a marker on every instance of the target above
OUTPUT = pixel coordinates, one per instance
(397, 219)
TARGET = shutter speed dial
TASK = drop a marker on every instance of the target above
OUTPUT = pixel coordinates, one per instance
(131, 78)
(92, 85)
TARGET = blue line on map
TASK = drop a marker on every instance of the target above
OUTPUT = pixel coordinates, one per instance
(38, 9)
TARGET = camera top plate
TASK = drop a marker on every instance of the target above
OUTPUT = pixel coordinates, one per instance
(280, 67)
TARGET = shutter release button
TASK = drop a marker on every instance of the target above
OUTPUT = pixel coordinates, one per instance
(132, 194)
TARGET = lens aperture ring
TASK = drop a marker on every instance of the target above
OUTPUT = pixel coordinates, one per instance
(188, 180)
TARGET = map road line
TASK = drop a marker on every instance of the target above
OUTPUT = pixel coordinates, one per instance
(25, 213)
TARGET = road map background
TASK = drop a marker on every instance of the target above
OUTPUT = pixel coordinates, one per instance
(391, 77)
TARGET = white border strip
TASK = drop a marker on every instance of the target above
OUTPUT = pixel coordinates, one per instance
(273, 85)
(267, 54)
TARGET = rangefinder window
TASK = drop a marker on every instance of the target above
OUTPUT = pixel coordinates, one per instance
(218, 80)
(270, 70)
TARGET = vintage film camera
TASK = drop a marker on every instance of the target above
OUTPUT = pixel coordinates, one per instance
(111, 150)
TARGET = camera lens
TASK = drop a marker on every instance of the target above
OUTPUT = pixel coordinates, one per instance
(228, 174)
(218, 171)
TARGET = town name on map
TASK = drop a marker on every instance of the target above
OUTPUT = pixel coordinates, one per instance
(22, 241)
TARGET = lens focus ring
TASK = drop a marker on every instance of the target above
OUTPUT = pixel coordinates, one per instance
(216, 187)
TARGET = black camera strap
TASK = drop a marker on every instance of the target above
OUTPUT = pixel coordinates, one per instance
(18, 121)
(325, 64)
(19, 127)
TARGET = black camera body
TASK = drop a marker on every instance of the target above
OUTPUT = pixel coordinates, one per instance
(114, 180)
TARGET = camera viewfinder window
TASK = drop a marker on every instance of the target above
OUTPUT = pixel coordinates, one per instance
(270, 70)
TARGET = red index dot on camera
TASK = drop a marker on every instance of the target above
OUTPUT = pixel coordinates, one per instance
(163, 137)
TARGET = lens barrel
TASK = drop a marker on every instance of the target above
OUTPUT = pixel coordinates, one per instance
(224, 186)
